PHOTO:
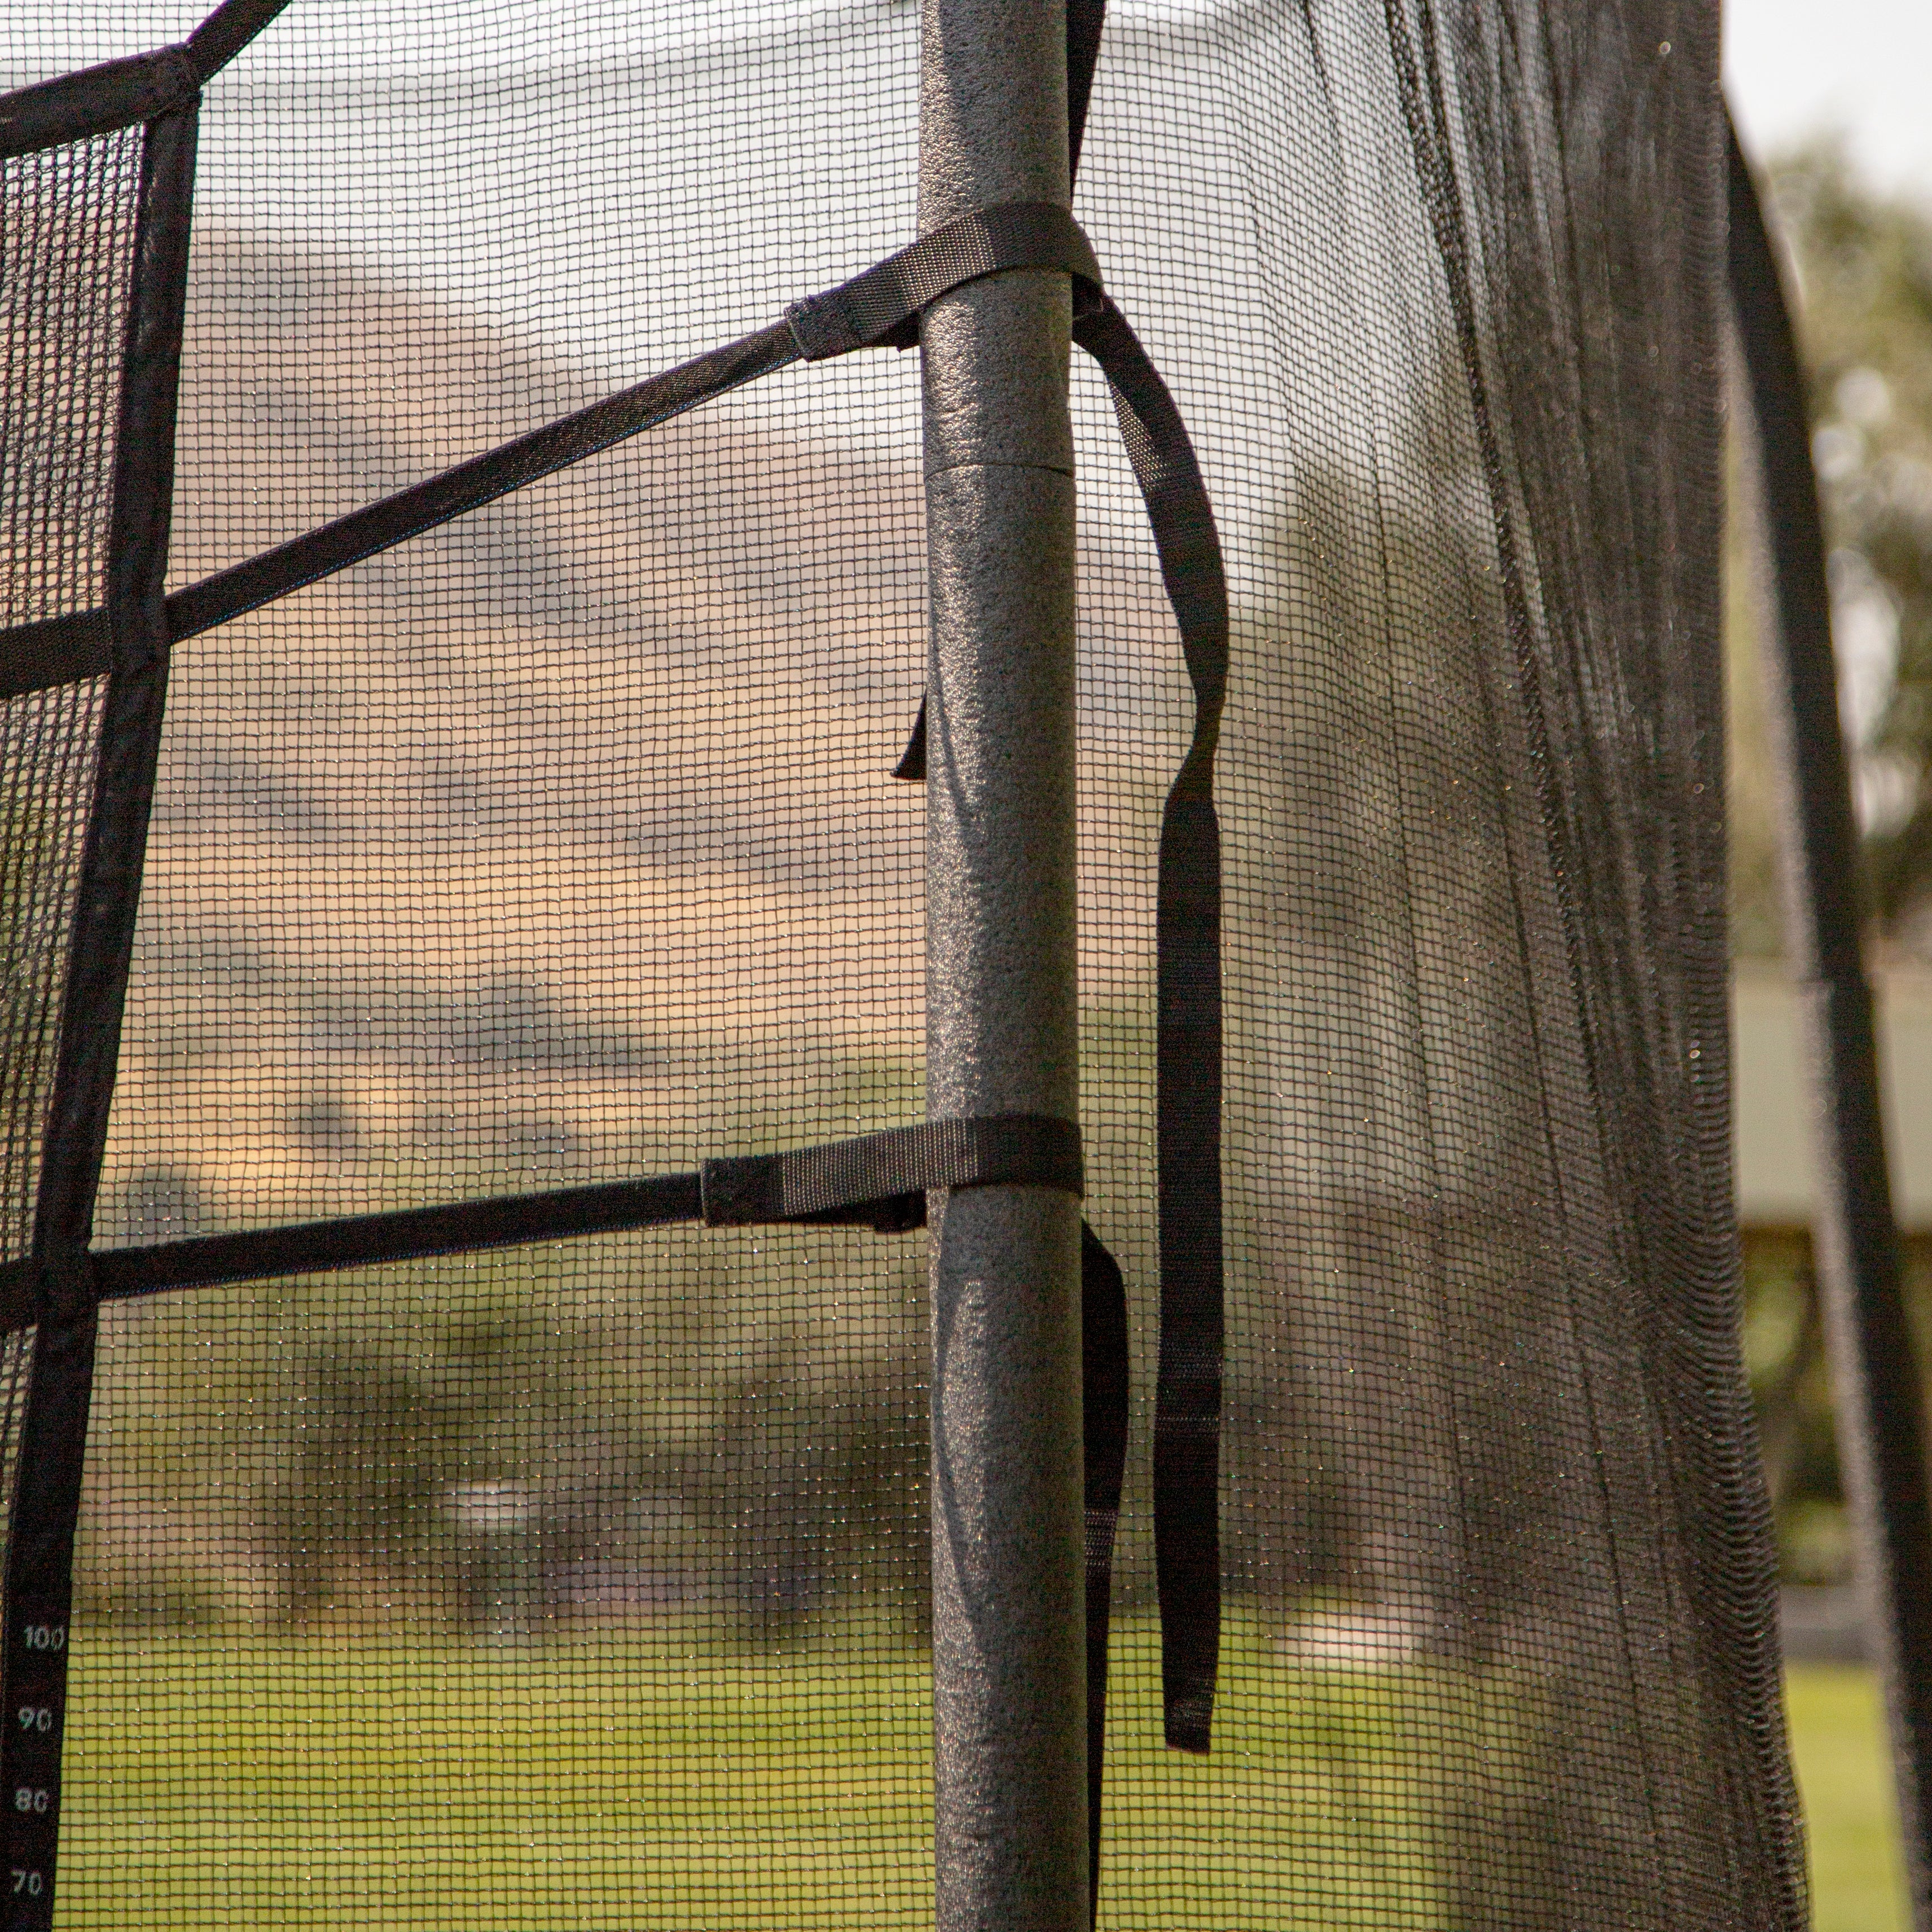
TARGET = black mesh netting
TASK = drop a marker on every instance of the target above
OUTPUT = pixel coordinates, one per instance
(585, 1584)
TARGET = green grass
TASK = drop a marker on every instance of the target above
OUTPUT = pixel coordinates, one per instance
(650, 1779)
(642, 1780)
(1837, 1736)
(457, 1787)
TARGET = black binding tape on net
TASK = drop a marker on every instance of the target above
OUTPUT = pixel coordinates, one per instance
(121, 93)
(52, 1441)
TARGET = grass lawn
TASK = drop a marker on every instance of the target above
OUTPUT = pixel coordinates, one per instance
(638, 1782)
(1837, 1736)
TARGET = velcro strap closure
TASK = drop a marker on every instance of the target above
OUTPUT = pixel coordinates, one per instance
(880, 1180)
(868, 311)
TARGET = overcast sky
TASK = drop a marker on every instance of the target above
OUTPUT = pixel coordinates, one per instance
(1865, 66)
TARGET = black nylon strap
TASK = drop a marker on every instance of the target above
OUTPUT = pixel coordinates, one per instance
(227, 31)
(120, 93)
(1104, 1388)
(1084, 20)
(96, 100)
(1187, 1400)
(379, 526)
(408, 1234)
(879, 1177)
(66, 649)
(877, 1180)
(56, 650)
(882, 306)
(888, 296)
(53, 1446)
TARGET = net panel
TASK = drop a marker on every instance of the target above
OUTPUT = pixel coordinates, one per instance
(586, 1584)
(66, 237)
(69, 213)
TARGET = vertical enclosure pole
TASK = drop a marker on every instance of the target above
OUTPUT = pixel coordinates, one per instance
(1009, 1644)
(1874, 1377)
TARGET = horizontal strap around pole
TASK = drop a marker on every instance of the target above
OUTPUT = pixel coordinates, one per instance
(875, 1179)
(874, 309)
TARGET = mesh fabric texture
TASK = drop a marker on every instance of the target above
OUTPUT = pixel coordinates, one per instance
(585, 1586)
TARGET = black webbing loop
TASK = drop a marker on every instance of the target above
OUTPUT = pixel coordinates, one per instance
(882, 306)
(1187, 1399)
(881, 1179)
(1104, 1391)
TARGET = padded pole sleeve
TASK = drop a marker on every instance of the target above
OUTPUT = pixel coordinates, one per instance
(1010, 1652)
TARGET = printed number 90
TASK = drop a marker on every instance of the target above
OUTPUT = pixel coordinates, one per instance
(36, 1718)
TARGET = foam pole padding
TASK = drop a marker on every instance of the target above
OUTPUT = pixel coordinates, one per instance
(1008, 1611)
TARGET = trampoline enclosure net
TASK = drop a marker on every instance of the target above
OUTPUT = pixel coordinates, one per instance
(584, 1583)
